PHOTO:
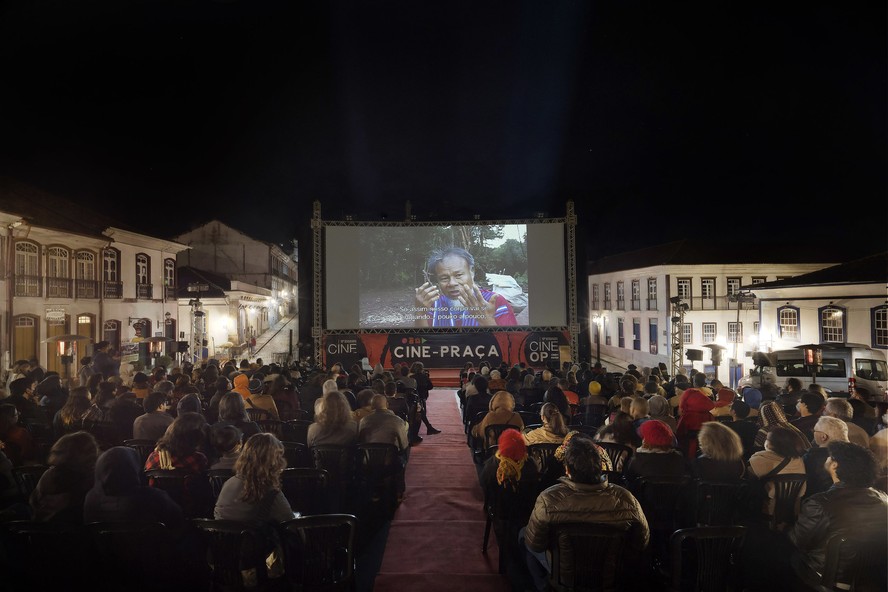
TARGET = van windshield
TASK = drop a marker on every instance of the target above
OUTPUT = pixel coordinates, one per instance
(871, 369)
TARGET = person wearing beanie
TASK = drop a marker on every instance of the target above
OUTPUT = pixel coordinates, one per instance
(657, 456)
(510, 482)
(753, 398)
(260, 398)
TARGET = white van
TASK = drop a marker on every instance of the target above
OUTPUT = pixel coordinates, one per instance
(847, 368)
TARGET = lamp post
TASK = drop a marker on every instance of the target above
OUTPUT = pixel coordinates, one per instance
(813, 360)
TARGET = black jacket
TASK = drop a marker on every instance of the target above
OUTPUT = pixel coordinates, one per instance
(856, 511)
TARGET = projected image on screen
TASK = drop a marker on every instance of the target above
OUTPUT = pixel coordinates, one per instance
(449, 276)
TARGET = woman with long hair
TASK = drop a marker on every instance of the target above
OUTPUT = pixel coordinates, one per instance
(92, 384)
(333, 422)
(233, 410)
(179, 447)
(721, 459)
(254, 494)
(62, 488)
(98, 411)
(553, 430)
(68, 418)
(619, 430)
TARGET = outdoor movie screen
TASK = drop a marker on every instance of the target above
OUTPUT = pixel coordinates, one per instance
(458, 275)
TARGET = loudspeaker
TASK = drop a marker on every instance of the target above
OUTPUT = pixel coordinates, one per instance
(695, 355)
(183, 347)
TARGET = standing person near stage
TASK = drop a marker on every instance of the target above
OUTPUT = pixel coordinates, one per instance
(450, 297)
(423, 386)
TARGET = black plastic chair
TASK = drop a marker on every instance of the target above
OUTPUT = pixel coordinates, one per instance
(339, 462)
(27, 547)
(142, 446)
(271, 426)
(586, 557)
(256, 414)
(662, 500)
(130, 552)
(305, 490)
(719, 504)
(235, 554)
(26, 478)
(217, 478)
(860, 564)
(296, 431)
(192, 491)
(530, 418)
(492, 432)
(297, 454)
(787, 497)
(319, 552)
(378, 468)
(619, 454)
(549, 467)
(507, 510)
(705, 558)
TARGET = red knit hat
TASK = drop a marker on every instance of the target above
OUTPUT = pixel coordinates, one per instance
(511, 445)
(656, 433)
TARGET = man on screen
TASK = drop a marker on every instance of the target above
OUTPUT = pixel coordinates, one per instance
(450, 298)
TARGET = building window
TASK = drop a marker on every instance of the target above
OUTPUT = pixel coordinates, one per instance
(735, 332)
(707, 288)
(687, 333)
(143, 277)
(607, 296)
(653, 337)
(832, 324)
(652, 294)
(58, 273)
(621, 296)
(595, 297)
(636, 295)
(759, 280)
(169, 278)
(27, 269)
(755, 327)
(788, 323)
(636, 334)
(621, 337)
(85, 283)
(684, 290)
(709, 332)
(112, 287)
(880, 326)
(733, 286)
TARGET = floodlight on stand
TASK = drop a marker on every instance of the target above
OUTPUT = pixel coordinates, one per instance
(675, 299)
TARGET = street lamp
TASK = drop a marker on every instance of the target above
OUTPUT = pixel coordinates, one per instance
(813, 359)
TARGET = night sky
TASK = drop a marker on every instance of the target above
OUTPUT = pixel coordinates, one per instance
(737, 121)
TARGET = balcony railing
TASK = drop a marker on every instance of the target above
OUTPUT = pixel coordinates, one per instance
(86, 289)
(169, 292)
(58, 287)
(28, 285)
(112, 290)
(621, 305)
(144, 291)
(719, 303)
(636, 304)
(652, 303)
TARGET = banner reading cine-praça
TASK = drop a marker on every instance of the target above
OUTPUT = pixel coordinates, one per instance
(447, 350)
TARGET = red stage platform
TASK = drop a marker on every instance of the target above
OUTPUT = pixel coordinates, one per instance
(444, 377)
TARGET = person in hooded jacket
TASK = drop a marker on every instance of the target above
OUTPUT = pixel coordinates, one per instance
(501, 411)
(242, 385)
(60, 492)
(51, 396)
(694, 408)
(118, 493)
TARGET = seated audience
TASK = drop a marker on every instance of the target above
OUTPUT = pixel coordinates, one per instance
(782, 456)
(826, 430)
(156, 420)
(333, 422)
(179, 447)
(553, 430)
(232, 410)
(721, 454)
(657, 455)
(227, 441)
(62, 488)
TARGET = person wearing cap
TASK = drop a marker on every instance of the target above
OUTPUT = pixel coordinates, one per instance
(657, 455)
(582, 495)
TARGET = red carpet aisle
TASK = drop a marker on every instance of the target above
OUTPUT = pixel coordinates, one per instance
(435, 538)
